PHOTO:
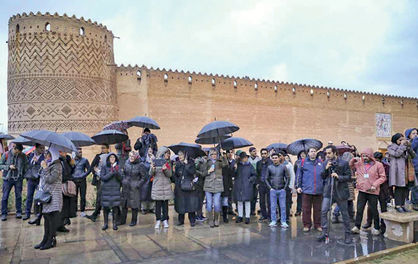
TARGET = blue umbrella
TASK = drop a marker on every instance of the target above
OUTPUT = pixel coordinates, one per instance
(49, 138)
(109, 137)
(23, 141)
(211, 140)
(192, 150)
(217, 129)
(277, 146)
(303, 145)
(79, 139)
(143, 121)
(5, 136)
(235, 143)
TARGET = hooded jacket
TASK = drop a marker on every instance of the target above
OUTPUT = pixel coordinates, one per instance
(309, 176)
(111, 183)
(161, 183)
(374, 170)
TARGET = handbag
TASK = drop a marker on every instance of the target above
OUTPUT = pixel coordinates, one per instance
(187, 185)
(69, 189)
(42, 196)
(32, 173)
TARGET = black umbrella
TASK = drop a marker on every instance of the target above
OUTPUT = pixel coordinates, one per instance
(192, 150)
(79, 139)
(277, 146)
(217, 129)
(303, 145)
(235, 143)
(143, 121)
(49, 138)
(211, 140)
(23, 141)
(5, 136)
(109, 137)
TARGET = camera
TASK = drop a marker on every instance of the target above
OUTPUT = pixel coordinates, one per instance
(334, 163)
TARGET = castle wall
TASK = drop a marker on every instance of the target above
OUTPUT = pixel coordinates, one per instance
(61, 74)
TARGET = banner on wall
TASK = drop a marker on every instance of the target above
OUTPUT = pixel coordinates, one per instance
(383, 125)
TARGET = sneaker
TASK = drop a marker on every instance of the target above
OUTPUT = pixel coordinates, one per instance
(272, 223)
(399, 210)
(319, 229)
(375, 232)
(306, 229)
(239, 220)
(247, 221)
(285, 225)
(4, 218)
(355, 230)
(19, 216)
(157, 224)
(26, 217)
(405, 210)
(83, 214)
(165, 223)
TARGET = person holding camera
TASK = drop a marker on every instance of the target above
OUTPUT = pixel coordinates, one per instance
(370, 174)
(336, 175)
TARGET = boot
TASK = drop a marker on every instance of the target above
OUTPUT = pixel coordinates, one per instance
(134, 217)
(216, 220)
(210, 219)
(123, 216)
(105, 218)
(93, 216)
(36, 221)
(225, 214)
(44, 239)
(115, 220)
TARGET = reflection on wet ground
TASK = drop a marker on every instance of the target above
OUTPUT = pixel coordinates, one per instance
(230, 243)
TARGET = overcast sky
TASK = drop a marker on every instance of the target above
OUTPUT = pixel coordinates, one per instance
(357, 45)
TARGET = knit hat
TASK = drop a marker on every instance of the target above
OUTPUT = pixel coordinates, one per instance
(396, 137)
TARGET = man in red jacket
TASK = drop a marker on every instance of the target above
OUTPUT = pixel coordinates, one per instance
(370, 175)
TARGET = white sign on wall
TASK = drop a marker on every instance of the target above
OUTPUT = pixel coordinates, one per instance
(383, 125)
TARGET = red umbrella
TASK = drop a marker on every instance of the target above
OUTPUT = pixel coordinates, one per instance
(341, 149)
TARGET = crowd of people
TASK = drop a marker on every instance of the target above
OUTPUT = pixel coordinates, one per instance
(141, 180)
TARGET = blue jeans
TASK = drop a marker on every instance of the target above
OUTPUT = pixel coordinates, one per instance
(7, 187)
(32, 185)
(225, 201)
(213, 199)
(281, 194)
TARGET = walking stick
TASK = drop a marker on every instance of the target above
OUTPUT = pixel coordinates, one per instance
(330, 211)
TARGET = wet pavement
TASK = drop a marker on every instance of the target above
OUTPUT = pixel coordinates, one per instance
(230, 243)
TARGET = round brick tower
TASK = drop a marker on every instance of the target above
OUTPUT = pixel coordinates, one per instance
(61, 74)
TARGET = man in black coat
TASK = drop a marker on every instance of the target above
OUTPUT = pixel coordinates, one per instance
(262, 187)
(337, 171)
(227, 174)
(95, 169)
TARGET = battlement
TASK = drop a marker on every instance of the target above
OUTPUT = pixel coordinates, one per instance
(257, 84)
(62, 24)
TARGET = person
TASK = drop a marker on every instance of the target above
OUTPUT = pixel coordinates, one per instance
(98, 162)
(200, 164)
(291, 186)
(80, 172)
(245, 179)
(277, 180)
(253, 159)
(263, 191)
(310, 184)
(110, 177)
(69, 204)
(147, 204)
(133, 174)
(370, 174)
(301, 156)
(122, 150)
(399, 151)
(412, 136)
(161, 191)
(13, 163)
(213, 186)
(186, 197)
(32, 179)
(51, 181)
(383, 198)
(336, 171)
(146, 141)
(227, 178)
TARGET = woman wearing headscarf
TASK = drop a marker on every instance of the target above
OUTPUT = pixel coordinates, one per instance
(399, 151)
(186, 197)
(161, 192)
(133, 177)
(111, 183)
(51, 181)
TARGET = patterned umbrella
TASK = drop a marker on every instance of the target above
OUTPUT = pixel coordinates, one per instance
(303, 145)
(117, 125)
